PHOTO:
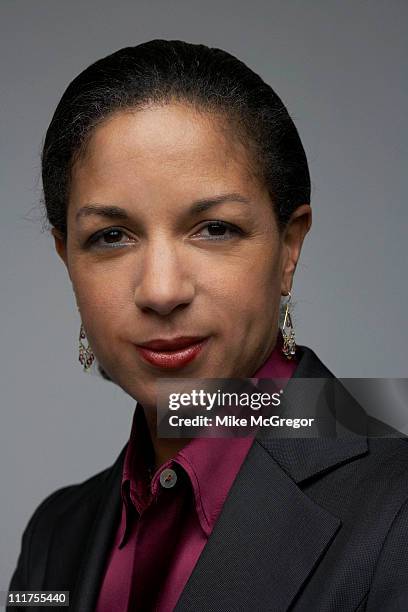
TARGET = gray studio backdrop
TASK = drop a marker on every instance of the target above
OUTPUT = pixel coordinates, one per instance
(340, 66)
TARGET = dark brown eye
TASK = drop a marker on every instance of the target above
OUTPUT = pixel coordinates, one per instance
(218, 230)
(113, 235)
(109, 238)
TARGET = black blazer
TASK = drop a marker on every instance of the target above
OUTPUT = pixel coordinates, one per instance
(308, 525)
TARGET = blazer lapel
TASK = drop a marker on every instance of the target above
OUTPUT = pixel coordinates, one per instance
(270, 535)
(265, 543)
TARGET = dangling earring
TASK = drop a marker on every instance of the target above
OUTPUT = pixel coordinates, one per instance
(86, 355)
(288, 332)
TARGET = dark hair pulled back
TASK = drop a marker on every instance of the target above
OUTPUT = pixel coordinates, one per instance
(161, 71)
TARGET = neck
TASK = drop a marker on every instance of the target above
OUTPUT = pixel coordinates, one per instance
(164, 448)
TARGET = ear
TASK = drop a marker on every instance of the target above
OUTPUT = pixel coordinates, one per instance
(60, 245)
(292, 239)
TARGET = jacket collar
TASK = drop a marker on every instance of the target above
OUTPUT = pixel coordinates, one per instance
(339, 431)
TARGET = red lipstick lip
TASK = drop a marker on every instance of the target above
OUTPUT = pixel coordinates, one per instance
(171, 344)
(171, 359)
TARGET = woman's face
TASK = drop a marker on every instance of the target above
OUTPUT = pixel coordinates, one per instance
(169, 235)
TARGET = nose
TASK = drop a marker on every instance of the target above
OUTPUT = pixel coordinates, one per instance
(164, 282)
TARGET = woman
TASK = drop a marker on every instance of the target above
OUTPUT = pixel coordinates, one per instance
(178, 194)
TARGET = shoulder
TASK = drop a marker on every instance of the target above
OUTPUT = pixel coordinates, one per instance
(61, 500)
(310, 366)
(38, 533)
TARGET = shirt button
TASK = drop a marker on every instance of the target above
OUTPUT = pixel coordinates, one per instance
(168, 478)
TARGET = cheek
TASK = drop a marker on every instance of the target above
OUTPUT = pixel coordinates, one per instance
(248, 294)
(259, 278)
(100, 299)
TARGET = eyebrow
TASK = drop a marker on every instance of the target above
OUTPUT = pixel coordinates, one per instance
(116, 212)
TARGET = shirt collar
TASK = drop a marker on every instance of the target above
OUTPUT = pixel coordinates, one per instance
(212, 464)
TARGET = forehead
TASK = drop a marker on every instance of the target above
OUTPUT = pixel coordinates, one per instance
(171, 147)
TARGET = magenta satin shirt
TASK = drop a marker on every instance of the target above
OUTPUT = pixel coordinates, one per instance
(163, 531)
